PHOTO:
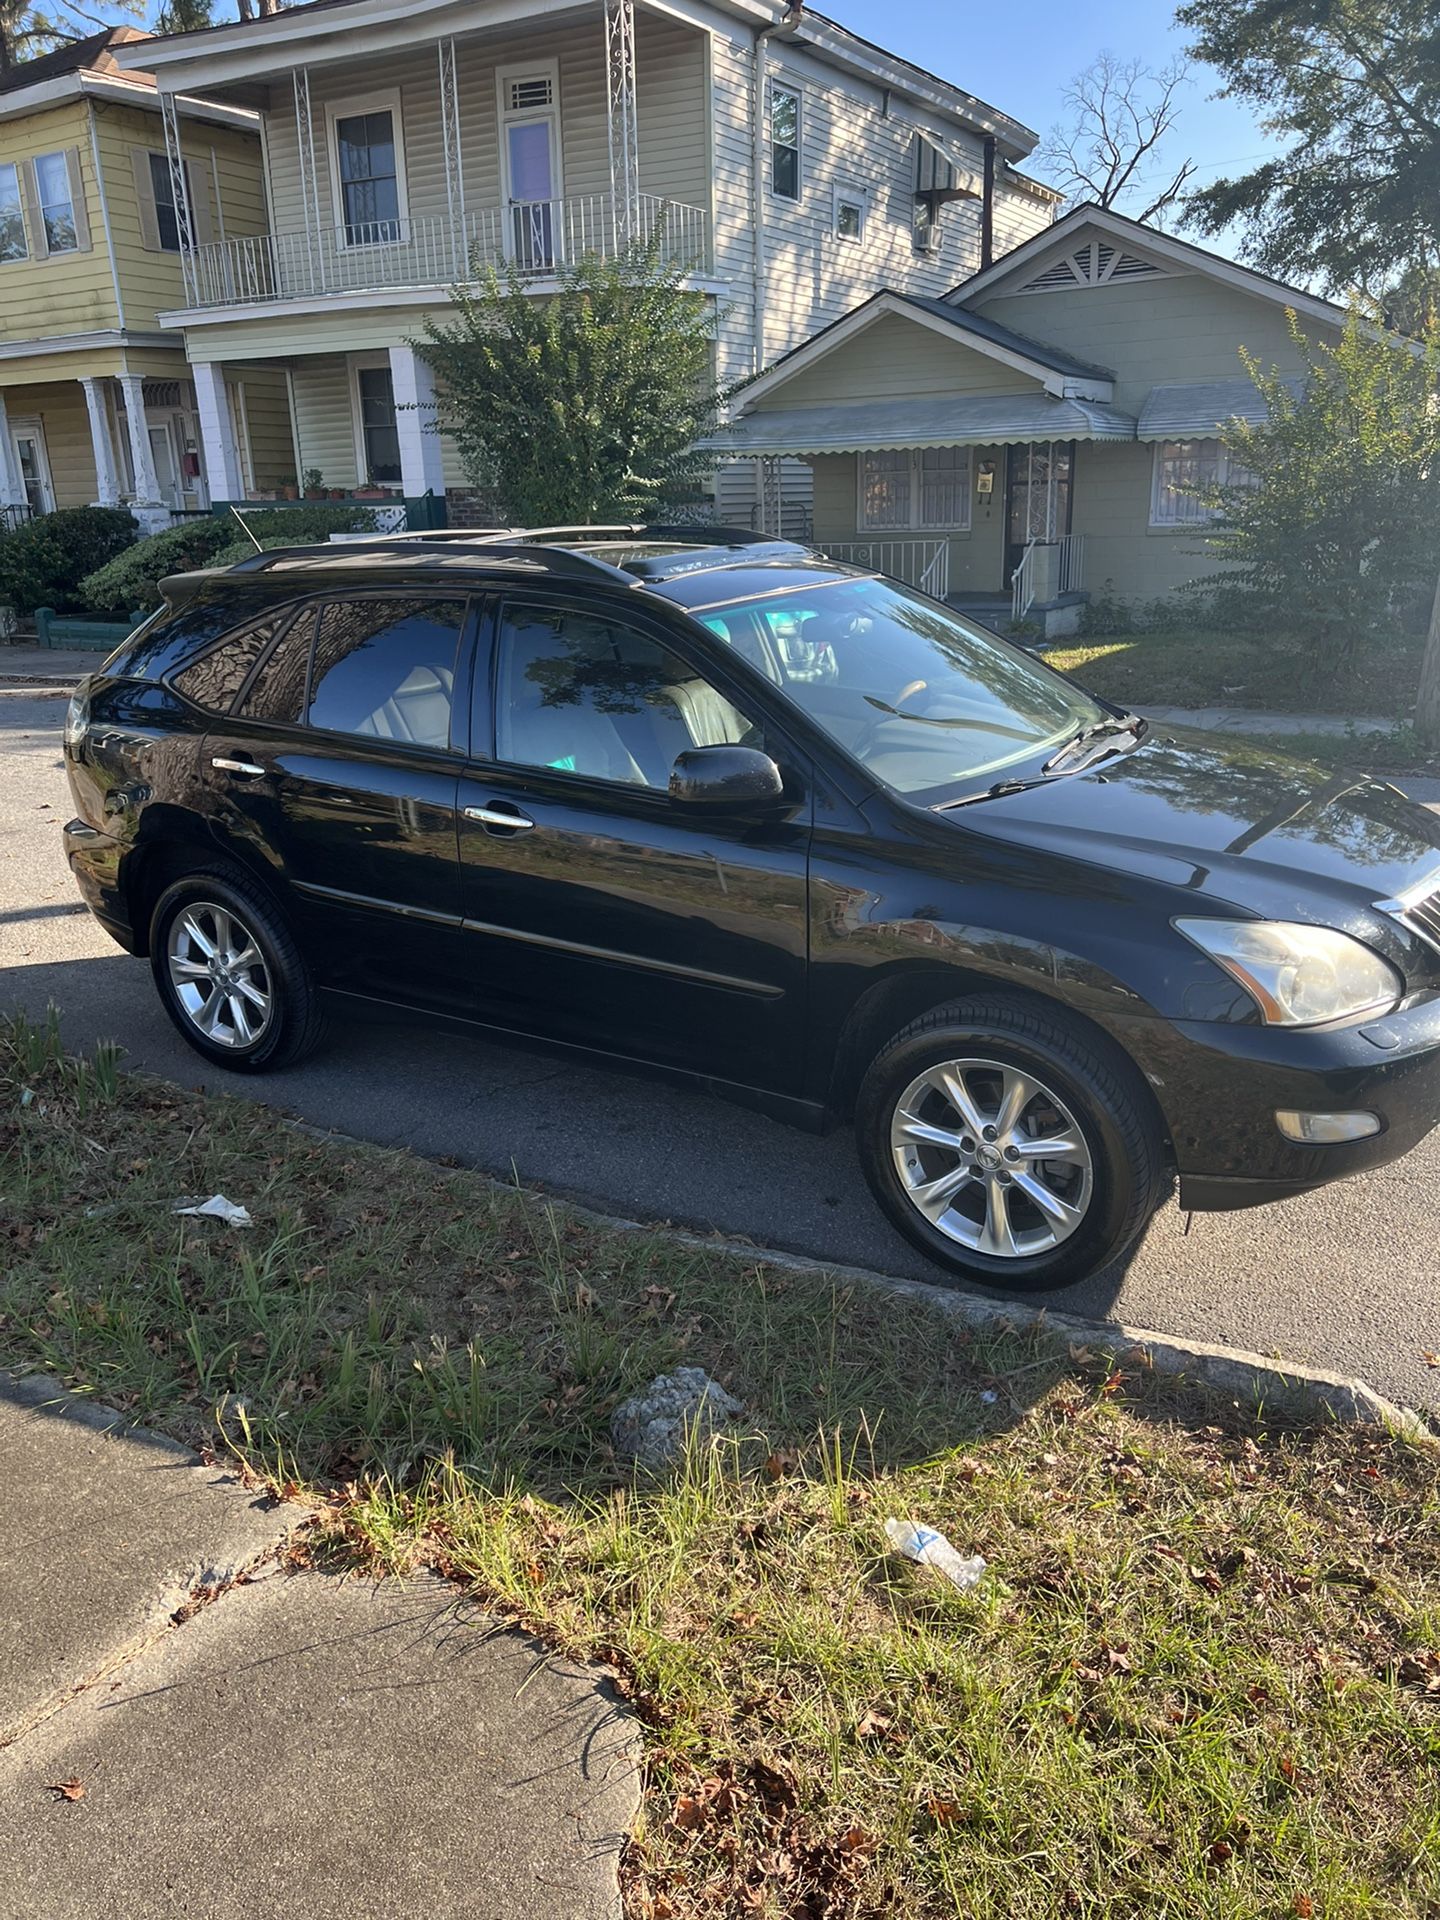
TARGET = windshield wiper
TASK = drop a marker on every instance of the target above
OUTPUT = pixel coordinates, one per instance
(997, 792)
(1073, 755)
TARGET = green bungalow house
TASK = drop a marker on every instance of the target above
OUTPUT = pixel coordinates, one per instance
(1043, 432)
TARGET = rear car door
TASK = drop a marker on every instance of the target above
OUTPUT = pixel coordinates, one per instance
(602, 913)
(340, 766)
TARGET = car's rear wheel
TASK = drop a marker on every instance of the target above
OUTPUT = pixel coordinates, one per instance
(1015, 1149)
(230, 975)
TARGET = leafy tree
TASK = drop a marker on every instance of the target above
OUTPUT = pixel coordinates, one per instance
(585, 404)
(1120, 113)
(184, 16)
(1355, 196)
(26, 31)
(1333, 527)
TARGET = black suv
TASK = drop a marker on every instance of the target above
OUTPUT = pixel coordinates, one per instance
(723, 807)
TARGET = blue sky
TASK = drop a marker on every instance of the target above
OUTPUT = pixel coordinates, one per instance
(1022, 59)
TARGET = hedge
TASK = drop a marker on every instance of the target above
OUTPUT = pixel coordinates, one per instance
(131, 581)
(46, 561)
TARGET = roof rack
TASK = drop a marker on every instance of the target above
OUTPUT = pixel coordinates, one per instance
(698, 534)
(405, 547)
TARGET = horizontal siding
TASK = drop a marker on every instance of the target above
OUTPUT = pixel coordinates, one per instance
(1183, 327)
(1123, 554)
(65, 423)
(267, 414)
(896, 358)
(670, 70)
(324, 420)
(72, 292)
(977, 558)
(226, 182)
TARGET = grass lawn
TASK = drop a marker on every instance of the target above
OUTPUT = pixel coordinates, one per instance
(1201, 1678)
(1202, 667)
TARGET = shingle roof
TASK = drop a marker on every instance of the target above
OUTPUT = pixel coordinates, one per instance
(81, 56)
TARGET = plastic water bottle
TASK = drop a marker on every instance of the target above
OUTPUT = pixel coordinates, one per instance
(932, 1549)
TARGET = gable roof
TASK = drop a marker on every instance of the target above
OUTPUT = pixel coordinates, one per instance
(1183, 255)
(1057, 371)
(90, 55)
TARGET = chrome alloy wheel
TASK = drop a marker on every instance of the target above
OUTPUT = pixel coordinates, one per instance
(992, 1158)
(219, 975)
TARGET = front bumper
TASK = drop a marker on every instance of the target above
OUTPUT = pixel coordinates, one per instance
(1220, 1086)
(94, 859)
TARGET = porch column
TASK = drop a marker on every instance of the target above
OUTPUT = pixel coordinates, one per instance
(107, 474)
(217, 432)
(12, 487)
(142, 460)
(422, 469)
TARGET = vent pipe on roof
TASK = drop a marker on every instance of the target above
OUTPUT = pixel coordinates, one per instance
(987, 206)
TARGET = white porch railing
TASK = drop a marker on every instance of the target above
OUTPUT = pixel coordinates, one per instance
(539, 237)
(919, 563)
(1047, 569)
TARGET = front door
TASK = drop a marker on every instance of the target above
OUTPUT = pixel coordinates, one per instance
(167, 467)
(601, 913)
(34, 465)
(351, 793)
(530, 175)
(1037, 497)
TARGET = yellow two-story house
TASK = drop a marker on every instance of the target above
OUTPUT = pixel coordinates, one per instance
(97, 403)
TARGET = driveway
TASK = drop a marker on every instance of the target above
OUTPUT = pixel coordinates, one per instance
(1344, 1279)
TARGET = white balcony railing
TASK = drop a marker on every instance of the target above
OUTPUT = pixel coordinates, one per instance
(539, 237)
(919, 563)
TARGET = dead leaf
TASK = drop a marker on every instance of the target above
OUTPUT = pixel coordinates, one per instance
(1205, 1577)
(774, 1782)
(1082, 1356)
(689, 1812)
(1304, 1907)
(1222, 1851)
(586, 1297)
(781, 1462)
(1430, 1359)
(943, 1810)
(872, 1725)
(67, 1789)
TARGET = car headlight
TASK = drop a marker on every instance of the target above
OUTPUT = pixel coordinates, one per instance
(1299, 976)
(77, 715)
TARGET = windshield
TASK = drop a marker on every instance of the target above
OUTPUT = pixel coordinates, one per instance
(922, 699)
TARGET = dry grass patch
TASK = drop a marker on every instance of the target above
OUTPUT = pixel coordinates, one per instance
(1201, 1678)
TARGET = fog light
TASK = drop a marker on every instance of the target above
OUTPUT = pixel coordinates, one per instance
(1325, 1129)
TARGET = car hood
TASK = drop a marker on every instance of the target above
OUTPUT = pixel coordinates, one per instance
(1227, 821)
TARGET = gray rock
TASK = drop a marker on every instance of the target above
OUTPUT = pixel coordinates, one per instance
(650, 1427)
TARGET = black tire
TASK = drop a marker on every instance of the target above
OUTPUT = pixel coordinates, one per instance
(1106, 1099)
(294, 1024)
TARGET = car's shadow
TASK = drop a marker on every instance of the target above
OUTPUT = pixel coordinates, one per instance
(646, 1149)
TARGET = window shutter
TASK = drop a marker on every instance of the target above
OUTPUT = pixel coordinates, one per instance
(197, 180)
(145, 200)
(77, 198)
(34, 221)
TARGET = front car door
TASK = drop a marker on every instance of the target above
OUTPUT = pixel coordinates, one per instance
(340, 763)
(602, 913)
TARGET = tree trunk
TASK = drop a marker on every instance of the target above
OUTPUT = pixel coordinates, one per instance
(1427, 704)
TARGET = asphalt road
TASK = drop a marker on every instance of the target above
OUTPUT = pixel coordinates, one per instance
(1348, 1278)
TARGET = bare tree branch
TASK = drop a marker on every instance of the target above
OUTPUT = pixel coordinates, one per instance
(1120, 113)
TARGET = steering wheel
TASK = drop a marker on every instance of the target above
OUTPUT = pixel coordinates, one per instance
(866, 737)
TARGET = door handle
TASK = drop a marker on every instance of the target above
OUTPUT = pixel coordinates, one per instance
(499, 816)
(237, 766)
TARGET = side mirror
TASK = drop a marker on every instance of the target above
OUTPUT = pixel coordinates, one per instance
(726, 780)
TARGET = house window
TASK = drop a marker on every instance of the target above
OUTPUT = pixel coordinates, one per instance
(162, 190)
(57, 203)
(916, 489)
(785, 143)
(849, 214)
(1185, 476)
(379, 437)
(369, 183)
(12, 219)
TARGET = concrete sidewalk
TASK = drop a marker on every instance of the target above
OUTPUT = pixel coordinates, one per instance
(1251, 720)
(59, 667)
(252, 1739)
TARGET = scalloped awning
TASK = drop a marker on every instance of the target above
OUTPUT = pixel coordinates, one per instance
(982, 419)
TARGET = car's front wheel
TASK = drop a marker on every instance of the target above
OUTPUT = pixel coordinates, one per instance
(1013, 1148)
(230, 975)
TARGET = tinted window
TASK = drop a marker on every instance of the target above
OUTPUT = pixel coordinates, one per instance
(218, 676)
(168, 641)
(386, 669)
(278, 690)
(584, 694)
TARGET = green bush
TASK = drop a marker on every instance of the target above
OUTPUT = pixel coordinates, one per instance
(44, 562)
(131, 581)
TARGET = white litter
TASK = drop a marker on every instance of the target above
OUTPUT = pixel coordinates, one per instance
(217, 1207)
(932, 1549)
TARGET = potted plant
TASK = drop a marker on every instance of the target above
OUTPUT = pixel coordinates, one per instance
(335, 493)
(372, 490)
(314, 482)
(289, 491)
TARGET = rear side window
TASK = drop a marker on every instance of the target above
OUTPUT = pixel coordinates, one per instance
(218, 676)
(385, 668)
(278, 690)
(169, 644)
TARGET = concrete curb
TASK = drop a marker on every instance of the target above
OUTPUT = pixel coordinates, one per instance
(1233, 1371)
